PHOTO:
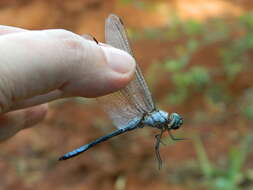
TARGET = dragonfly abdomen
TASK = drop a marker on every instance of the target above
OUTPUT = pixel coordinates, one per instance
(132, 123)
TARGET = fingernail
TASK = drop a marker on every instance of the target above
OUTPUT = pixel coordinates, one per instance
(119, 60)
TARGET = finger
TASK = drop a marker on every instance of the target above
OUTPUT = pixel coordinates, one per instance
(50, 96)
(55, 94)
(10, 29)
(91, 38)
(38, 62)
(12, 122)
(87, 37)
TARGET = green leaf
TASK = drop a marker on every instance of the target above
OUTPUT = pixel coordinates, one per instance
(173, 65)
(192, 27)
(204, 162)
(199, 76)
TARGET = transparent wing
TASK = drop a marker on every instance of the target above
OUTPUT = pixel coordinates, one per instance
(135, 99)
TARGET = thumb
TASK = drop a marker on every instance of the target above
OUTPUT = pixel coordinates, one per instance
(105, 70)
(40, 66)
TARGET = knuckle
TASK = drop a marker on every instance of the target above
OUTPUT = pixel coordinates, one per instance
(74, 42)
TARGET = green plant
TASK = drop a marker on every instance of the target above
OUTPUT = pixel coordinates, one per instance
(233, 44)
(245, 105)
(235, 56)
(230, 177)
(185, 80)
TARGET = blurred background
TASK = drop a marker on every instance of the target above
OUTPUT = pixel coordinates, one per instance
(196, 57)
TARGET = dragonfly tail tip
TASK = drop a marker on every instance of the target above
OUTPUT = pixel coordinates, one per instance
(62, 158)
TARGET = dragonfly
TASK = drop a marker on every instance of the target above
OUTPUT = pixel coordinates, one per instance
(131, 107)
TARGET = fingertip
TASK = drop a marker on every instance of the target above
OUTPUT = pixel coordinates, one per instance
(118, 60)
(120, 70)
(102, 70)
(35, 115)
(13, 122)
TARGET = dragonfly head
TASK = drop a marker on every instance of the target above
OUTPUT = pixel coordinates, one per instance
(175, 121)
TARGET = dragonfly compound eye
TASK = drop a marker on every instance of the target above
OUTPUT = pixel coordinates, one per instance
(175, 121)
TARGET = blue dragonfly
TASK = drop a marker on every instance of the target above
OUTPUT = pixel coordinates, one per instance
(131, 107)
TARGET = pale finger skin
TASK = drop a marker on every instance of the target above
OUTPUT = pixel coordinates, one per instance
(40, 66)
(12, 122)
(35, 63)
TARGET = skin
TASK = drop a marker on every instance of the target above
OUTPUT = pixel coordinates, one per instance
(41, 66)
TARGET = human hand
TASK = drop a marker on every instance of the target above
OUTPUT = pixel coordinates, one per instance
(40, 66)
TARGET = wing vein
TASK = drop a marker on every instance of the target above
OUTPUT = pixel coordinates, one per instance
(135, 99)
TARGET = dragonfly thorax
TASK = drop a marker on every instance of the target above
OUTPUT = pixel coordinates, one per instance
(162, 120)
(156, 119)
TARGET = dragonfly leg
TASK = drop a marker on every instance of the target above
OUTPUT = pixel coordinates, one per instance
(157, 149)
(161, 141)
(174, 138)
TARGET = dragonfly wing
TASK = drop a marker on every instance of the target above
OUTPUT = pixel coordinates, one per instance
(135, 99)
(119, 108)
(115, 35)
